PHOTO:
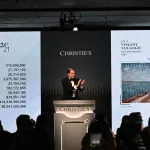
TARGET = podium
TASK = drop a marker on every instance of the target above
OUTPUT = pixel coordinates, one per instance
(71, 121)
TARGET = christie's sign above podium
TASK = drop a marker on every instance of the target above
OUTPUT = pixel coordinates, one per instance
(75, 53)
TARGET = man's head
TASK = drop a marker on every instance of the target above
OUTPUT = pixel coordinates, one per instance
(24, 123)
(71, 73)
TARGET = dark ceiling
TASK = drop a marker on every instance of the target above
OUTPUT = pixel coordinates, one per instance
(45, 14)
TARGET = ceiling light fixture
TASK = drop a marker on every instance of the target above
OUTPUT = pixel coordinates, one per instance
(67, 21)
(75, 29)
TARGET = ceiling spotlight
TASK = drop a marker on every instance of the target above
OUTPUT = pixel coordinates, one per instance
(68, 21)
(75, 29)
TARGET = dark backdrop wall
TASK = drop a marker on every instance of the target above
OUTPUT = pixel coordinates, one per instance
(95, 68)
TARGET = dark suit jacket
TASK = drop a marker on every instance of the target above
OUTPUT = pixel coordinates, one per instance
(68, 89)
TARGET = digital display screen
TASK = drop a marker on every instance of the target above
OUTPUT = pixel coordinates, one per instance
(20, 76)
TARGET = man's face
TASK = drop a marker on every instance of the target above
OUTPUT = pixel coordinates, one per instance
(71, 74)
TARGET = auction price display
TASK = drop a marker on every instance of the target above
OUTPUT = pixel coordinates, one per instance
(20, 76)
(16, 84)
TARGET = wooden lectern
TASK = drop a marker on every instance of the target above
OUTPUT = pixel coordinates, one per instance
(71, 121)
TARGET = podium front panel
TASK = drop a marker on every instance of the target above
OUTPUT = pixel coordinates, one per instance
(71, 123)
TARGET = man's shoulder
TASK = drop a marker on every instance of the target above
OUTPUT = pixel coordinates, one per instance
(146, 129)
(65, 79)
(77, 79)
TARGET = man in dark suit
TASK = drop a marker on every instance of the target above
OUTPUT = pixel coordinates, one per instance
(72, 85)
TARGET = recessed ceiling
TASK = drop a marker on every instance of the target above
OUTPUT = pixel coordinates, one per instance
(43, 14)
(16, 4)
